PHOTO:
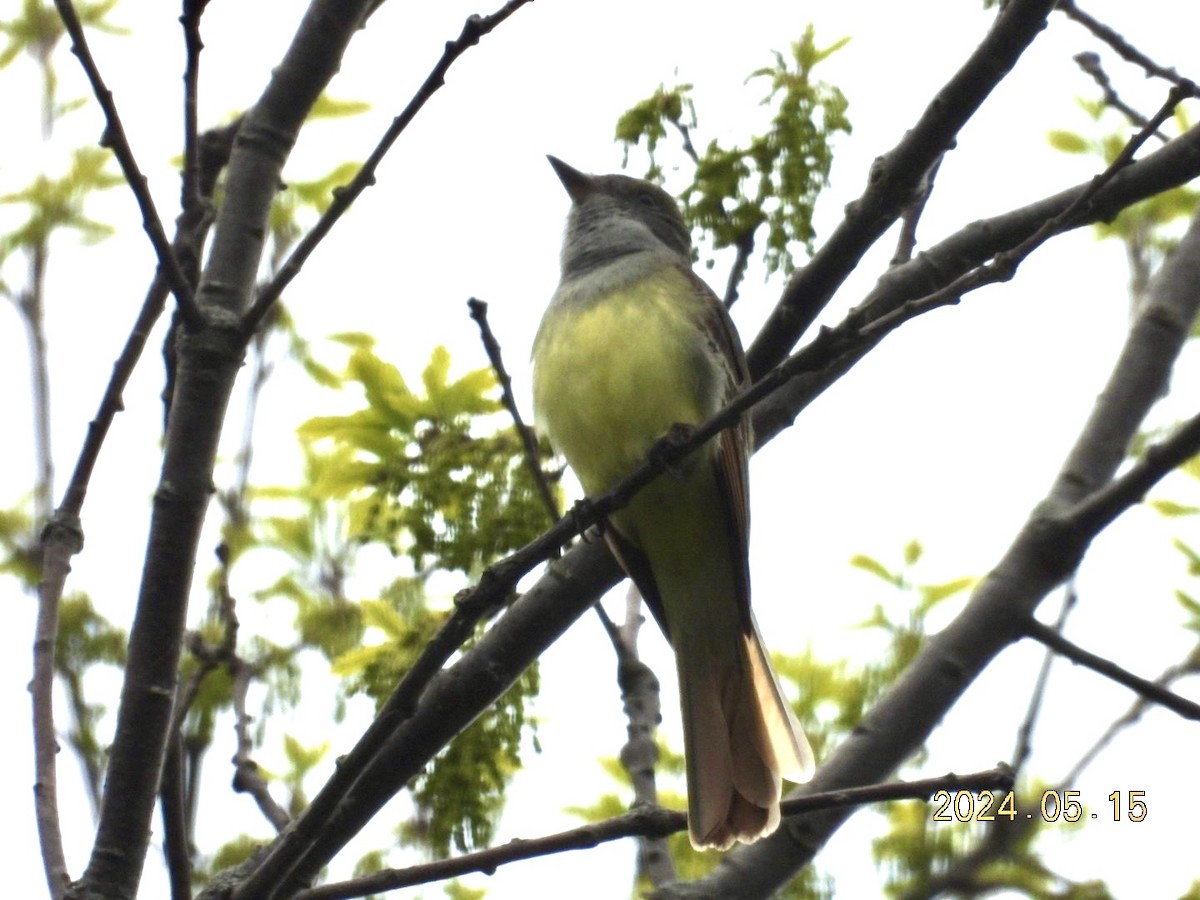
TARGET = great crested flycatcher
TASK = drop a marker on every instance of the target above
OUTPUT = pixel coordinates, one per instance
(633, 343)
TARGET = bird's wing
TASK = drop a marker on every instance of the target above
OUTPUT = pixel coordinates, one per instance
(731, 460)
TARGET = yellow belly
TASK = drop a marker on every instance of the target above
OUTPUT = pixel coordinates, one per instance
(613, 374)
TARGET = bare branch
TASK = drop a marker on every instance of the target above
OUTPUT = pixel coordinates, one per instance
(210, 356)
(1103, 506)
(1025, 733)
(58, 547)
(115, 140)
(1090, 63)
(1170, 675)
(479, 311)
(974, 245)
(62, 536)
(643, 711)
(1042, 556)
(1126, 50)
(190, 193)
(646, 822)
(1147, 689)
(1005, 264)
(247, 777)
(895, 179)
(473, 29)
(907, 242)
(172, 801)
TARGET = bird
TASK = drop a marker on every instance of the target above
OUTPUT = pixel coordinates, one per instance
(632, 346)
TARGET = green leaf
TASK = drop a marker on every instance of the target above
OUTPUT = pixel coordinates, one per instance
(935, 593)
(301, 758)
(869, 564)
(359, 340)
(1171, 509)
(1193, 558)
(1188, 603)
(327, 107)
(1068, 142)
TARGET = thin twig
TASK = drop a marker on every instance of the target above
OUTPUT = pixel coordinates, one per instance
(744, 247)
(646, 822)
(473, 29)
(57, 551)
(190, 20)
(894, 179)
(1025, 733)
(479, 312)
(1139, 706)
(31, 306)
(1004, 265)
(114, 139)
(1148, 689)
(246, 777)
(172, 802)
(907, 241)
(1125, 49)
(1089, 62)
(641, 703)
(685, 132)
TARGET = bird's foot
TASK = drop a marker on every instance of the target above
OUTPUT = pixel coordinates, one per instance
(665, 449)
(581, 513)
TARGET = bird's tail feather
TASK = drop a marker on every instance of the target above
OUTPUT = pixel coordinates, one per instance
(741, 738)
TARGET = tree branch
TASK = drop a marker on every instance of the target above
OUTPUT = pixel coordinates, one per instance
(1173, 165)
(491, 346)
(1148, 689)
(1124, 49)
(62, 536)
(1043, 554)
(654, 821)
(639, 754)
(190, 193)
(246, 776)
(1189, 666)
(895, 179)
(1090, 63)
(474, 28)
(1024, 745)
(1004, 266)
(114, 139)
(369, 775)
(210, 354)
(906, 243)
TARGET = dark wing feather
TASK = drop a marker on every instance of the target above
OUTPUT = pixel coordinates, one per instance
(731, 460)
(636, 566)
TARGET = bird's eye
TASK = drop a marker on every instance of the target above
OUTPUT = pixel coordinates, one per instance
(646, 200)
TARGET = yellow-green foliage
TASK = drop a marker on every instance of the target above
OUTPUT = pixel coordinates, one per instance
(773, 180)
(438, 478)
(418, 472)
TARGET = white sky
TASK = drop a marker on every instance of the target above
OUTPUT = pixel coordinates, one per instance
(950, 432)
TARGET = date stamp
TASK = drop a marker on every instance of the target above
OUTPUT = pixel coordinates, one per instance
(1055, 806)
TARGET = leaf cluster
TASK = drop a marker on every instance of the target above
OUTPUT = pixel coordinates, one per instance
(775, 178)
(417, 475)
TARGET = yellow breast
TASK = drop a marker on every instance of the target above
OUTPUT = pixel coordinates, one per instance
(612, 374)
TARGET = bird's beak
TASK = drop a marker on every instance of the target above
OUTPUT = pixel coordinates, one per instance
(578, 184)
